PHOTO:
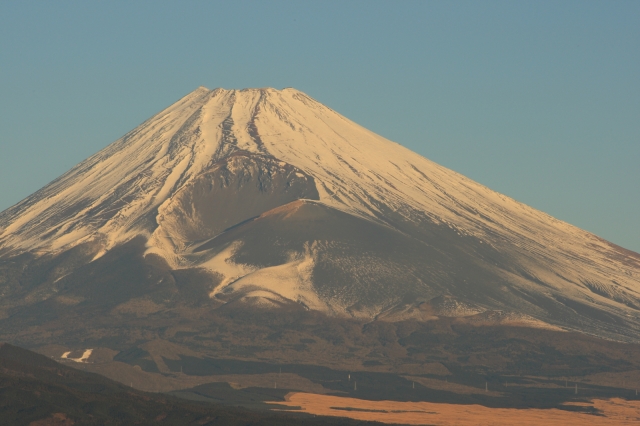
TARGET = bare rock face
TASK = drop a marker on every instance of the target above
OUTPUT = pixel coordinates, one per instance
(266, 199)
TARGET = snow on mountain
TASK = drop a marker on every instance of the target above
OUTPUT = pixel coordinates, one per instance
(202, 168)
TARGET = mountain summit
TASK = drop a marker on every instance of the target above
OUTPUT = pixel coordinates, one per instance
(267, 198)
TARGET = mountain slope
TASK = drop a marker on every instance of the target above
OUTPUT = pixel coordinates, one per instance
(272, 198)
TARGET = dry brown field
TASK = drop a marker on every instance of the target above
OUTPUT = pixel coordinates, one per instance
(611, 412)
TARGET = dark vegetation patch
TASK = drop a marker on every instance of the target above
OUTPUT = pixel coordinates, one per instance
(34, 387)
(515, 391)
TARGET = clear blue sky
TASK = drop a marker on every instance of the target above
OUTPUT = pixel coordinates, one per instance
(538, 100)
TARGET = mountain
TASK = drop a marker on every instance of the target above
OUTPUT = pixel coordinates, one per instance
(268, 198)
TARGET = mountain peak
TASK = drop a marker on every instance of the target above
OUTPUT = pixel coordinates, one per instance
(260, 90)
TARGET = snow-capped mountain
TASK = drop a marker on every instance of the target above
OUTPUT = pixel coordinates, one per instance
(268, 197)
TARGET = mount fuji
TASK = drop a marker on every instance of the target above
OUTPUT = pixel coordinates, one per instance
(240, 232)
(266, 200)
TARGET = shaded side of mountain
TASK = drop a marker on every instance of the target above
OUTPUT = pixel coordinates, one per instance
(124, 300)
(362, 268)
(358, 264)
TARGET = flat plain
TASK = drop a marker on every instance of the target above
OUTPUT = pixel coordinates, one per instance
(615, 411)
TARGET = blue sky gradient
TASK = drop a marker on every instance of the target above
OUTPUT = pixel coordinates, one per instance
(537, 100)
